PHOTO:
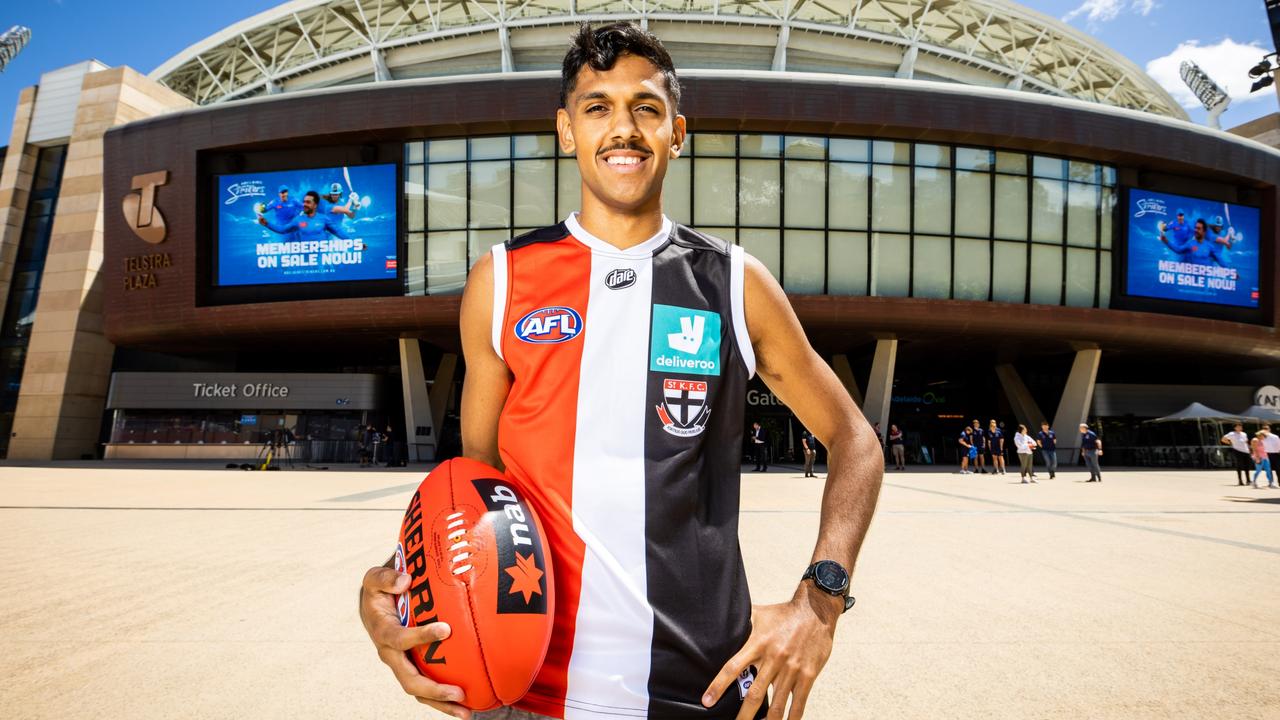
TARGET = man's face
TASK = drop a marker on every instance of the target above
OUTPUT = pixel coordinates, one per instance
(1181, 218)
(620, 124)
(1200, 230)
(332, 197)
(284, 196)
(1239, 428)
(309, 204)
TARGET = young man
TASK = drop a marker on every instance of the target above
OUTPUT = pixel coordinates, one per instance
(760, 444)
(995, 447)
(980, 443)
(968, 451)
(632, 453)
(810, 444)
(1047, 441)
(1241, 460)
(1091, 450)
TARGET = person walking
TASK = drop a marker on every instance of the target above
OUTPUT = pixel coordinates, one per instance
(1261, 463)
(1240, 452)
(1271, 443)
(897, 448)
(1025, 446)
(995, 447)
(759, 436)
(980, 441)
(1091, 450)
(967, 450)
(810, 444)
(1047, 441)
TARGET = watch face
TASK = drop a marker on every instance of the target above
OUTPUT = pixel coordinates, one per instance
(830, 576)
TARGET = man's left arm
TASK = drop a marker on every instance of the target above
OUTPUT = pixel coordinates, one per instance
(790, 642)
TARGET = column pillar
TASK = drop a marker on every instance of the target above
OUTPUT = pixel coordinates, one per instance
(840, 364)
(880, 384)
(419, 430)
(1077, 396)
(1025, 408)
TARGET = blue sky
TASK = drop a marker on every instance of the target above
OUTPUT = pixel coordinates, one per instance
(1224, 36)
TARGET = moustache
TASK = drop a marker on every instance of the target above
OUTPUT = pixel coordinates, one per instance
(634, 147)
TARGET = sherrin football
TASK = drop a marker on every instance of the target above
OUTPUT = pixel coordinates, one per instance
(475, 551)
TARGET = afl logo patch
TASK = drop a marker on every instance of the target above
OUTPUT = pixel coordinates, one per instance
(549, 325)
(620, 278)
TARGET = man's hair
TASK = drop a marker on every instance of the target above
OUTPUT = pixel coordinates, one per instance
(599, 48)
(315, 196)
(1201, 221)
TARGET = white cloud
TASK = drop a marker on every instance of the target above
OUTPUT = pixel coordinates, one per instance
(1100, 11)
(1227, 62)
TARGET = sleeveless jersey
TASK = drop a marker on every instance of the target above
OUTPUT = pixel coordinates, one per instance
(624, 423)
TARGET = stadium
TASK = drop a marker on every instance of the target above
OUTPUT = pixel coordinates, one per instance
(973, 207)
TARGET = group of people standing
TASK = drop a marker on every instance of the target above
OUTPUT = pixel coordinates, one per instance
(980, 447)
(1261, 453)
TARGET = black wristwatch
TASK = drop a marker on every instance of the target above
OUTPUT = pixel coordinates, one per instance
(831, 578)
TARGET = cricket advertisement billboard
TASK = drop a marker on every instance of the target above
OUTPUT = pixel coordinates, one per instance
(335, 224)
(1191, 250)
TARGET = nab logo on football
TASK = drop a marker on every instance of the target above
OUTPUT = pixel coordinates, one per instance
(549, 325)
(620, 278)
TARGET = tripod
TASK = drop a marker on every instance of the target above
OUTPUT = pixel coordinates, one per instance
(277, 445)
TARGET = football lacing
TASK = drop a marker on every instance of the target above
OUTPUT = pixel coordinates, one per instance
(458, 534)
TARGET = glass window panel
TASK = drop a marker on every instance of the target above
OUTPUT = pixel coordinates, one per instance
(1081, 277)
(931, 267)
(446, 262)
(933, 155)
(847, 195)
(1081, 171)
(973, 203)
(568, 188)
(765, 146)
(447, 150)
(415, 195)
(535, 193)
(1009, 272)
(446, 196)
(887, 151)
(806, 147)
(675, 191)
(1011, 208)
(535, 146)
(891, 198)
(1048, 167)
(1106, 206)
(850, 149)
(973, 269)
(687, 150)
(890, 264)
(846, 263)
(1082, 215)
(490, 194)
(414, 152)
(806, 194)
(974, 158)
(1008, 162)
(805, 262)
(490, 148)
(763, 245)
(1046, 275)
(759, 192)
(727, 234)
(715, 191)
(1108, 176)
(416, 269)
(715, 145)
(1104, 278)
(933, 200)
(480, 242)
(1047, 200)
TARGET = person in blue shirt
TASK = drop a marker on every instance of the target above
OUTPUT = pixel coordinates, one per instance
(1090, 450)
(995, 447)
(309, 225)
(1179, 230)
(980, 444)
(967, 450)
(284, 209)
(1047, 441)
(1199, 248)
(329, 203)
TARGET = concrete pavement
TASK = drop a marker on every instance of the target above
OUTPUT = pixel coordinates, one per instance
(207, 593)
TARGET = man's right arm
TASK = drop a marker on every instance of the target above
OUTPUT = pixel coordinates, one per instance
(484, 392)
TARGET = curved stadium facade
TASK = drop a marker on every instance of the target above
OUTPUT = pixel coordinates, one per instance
(940, 186)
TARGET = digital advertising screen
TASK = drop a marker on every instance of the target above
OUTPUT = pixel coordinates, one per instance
(1191, 249)
(270, 231)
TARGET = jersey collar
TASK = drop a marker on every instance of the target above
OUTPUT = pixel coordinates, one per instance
(644, 249)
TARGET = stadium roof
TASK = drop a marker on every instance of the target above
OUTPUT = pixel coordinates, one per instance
(308, 44)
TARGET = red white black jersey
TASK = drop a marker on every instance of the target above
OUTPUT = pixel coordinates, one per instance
(624, 423)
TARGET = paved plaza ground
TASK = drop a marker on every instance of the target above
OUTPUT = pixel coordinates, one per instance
(206, 593)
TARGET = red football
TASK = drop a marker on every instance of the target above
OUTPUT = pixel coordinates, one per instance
(474, 548)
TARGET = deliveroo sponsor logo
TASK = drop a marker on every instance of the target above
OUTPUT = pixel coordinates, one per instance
(684, 340)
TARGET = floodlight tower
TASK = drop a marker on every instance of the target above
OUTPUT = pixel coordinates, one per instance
(1214, 98)
(12, 42)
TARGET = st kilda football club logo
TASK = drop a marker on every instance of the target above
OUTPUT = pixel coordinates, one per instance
(684, 409)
